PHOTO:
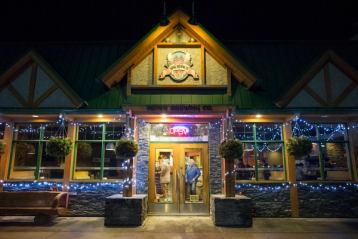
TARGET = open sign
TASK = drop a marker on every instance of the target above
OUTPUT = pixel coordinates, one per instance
(179, 131)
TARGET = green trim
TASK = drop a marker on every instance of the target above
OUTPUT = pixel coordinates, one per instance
(256, 154)
(103, 149)
(284, 151)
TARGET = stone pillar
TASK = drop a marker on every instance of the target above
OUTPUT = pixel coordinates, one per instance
(142, 157)
(291, 171)
(214, 158)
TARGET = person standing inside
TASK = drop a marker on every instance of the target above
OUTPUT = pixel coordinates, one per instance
(191, 177)
(165, 177)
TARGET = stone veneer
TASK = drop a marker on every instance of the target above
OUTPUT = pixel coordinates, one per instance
(142, 158)
(325, 203)
(214, 159)
(268, 203)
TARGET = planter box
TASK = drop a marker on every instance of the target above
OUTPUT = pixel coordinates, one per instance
(232, 211)
(125, 211)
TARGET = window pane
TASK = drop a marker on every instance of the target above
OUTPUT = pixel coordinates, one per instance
(27, 132)
(245, 167)
(88, 161)
(2, 129)
(243, 131)
(55, 130)
(50, 166)
(332, 132)
(269, 131)
(307, 167)
(335, 157)
(24, 160)
(300, 128)
(112, 163)
(90, 132)
(270, 161)
(114, 131)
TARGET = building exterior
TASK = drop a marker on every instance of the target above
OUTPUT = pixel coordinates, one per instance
(179, 92)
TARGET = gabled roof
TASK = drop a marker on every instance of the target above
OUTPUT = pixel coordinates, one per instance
(118, 70)
(328, 56)
(38, 65)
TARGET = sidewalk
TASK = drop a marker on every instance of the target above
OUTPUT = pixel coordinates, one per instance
(166, 227)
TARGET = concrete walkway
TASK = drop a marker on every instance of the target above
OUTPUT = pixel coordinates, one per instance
(167, 227)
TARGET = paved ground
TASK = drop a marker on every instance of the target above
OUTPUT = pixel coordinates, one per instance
(167, 227)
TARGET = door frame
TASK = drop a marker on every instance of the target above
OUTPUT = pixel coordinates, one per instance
(178, 205)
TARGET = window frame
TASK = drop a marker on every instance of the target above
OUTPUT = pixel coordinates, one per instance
(320, 141)
(255, 142)
(40, 141)
(103, 142)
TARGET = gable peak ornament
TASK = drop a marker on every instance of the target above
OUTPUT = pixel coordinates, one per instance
(178, 67)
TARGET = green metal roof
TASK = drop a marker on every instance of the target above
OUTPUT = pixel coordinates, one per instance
(277, 66)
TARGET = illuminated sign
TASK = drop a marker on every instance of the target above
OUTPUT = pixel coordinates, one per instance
(178, 131)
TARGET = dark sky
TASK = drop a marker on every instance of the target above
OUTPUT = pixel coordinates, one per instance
(75, 20)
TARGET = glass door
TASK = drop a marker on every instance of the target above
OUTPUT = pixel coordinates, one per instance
(178, 179)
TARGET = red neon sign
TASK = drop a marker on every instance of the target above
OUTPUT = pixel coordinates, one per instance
(178, 131)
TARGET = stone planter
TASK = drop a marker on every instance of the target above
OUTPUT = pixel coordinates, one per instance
(231, 211)
(125, 211)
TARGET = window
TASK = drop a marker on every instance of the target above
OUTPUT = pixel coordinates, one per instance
(263, 156)
(96, 158)
(330, 156)
(29, 157)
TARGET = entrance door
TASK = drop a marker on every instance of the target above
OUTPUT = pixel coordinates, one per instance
(178, 179)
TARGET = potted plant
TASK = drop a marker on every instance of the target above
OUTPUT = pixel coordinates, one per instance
(299, 146)
(59, 148)
(127, 149)
(2, 147)
(230, 150)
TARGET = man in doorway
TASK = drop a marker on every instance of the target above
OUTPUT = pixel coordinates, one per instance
(191, 176)
(165, 177)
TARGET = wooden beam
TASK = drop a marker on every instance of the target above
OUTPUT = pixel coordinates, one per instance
(46, 94)
(155, 65)
(5, 158)
(337, 101)
(283, 102)
(69, 159)
(17, 95)
(327, 84)
(202, 65)
(32, 84)
(228, 79)
(315, 96)
(129, 82)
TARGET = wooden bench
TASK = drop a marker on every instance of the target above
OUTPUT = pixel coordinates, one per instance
(45, 206)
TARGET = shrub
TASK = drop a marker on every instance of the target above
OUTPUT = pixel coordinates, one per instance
(58, 147)
(126, 148)
(299, 146)
(231, 149)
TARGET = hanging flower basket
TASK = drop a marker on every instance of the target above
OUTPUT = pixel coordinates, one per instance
(126, 148)
(299, 146)
(231, 149)
(58, 147)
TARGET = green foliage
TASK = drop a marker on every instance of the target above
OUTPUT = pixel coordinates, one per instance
(299, 146)
(84, 150)
(126, 148)
(2, 147)
(58, 147)
(231, 149)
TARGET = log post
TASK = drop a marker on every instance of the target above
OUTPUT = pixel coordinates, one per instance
(229, 182)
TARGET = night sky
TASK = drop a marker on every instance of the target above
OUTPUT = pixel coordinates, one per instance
(129, 20)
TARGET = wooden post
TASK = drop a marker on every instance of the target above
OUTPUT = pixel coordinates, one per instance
(291, 171)
(128, 184)
(353, 146)
(69, 160)
(5, 158)
(229, 182)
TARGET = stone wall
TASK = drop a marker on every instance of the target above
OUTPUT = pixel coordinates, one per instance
(214, 159)
(269, 200)
(142, 158)
(328, 203)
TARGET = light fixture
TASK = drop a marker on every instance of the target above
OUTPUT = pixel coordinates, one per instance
(110, 147)
(35, 116)
(100, 116)
(258, 116)
(164, 116)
